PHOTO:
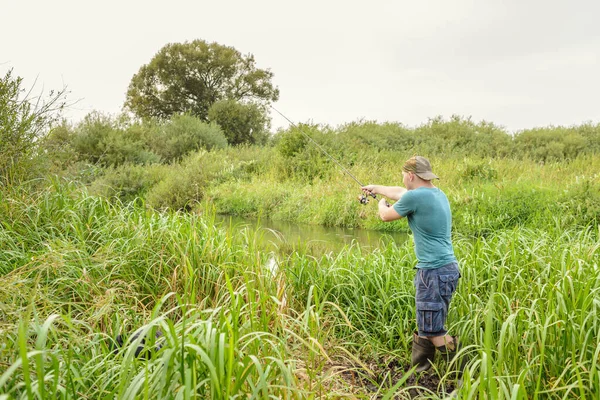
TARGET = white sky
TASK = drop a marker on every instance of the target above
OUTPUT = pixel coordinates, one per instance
(517, 63)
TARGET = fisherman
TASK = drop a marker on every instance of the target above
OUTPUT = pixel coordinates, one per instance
(429, 217)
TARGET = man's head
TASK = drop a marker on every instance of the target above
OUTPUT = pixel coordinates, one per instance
(416, 171)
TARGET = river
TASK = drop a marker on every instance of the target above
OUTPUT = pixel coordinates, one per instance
(315, 238)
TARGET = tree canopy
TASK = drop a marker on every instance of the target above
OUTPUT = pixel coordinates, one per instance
(190, 77)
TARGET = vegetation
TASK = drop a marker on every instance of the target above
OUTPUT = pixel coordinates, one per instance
(241, 123)
(24, 119)
(110, 230)
(326, 326)
(190, 77)
(178, 163)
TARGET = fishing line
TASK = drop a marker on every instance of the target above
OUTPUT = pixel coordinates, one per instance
(362, 200)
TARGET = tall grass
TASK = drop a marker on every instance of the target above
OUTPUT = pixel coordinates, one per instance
(526, 309)
(485, 195)
(79, 270)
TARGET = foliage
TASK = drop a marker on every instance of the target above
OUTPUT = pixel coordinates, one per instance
(302, 158)
(478, 170)
(127, 181)
(88, 269)
(190, 77)
(113, 141)
(463, 136)
(551, 144)
(291, 143)
(582, 200)
(241, 123)
(24, 119)
(182, 135)
(105, 140)
(182, 185)
(57, 145)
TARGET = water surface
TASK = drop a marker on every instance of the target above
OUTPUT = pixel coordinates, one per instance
(282, 234)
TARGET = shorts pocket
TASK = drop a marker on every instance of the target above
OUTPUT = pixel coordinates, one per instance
(448, 284)
(430, 316)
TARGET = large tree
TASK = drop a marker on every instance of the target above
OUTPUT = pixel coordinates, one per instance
(190, 77)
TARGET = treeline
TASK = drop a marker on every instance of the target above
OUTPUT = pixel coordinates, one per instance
(112, 141)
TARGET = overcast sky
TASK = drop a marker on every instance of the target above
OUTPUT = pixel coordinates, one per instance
(517, 63)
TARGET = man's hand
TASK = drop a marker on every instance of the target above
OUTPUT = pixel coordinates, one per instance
(391, 192)
(387, 212)
(369, 189)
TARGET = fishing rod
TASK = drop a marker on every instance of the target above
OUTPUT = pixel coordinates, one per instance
(363, 199)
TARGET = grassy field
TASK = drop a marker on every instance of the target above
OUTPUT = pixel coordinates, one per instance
(77, 270)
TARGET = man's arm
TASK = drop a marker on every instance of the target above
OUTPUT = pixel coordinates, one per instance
(387, 212)
(391, 192)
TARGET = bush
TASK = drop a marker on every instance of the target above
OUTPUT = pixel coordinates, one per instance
(111, 142)
(494, 209)
(553, 143)
(291, 143)
(304, 160)
(241, 123)
(128, 181)
(462, 136)
(91, 136)
(184, 134)
(58, 147)
(583, 201)
(99, 138)
(182, 185)
(23, 121)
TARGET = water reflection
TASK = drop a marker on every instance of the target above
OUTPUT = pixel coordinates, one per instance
(278, 234)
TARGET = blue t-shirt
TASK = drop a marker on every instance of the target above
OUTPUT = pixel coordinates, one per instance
(430, 220)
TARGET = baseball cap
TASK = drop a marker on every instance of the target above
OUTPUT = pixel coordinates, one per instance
(421, 167)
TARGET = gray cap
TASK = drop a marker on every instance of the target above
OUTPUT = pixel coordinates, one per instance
(421, 167)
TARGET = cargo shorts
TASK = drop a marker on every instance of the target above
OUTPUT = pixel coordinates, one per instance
(434, 290)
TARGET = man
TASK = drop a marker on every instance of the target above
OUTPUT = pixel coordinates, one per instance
(428, 212)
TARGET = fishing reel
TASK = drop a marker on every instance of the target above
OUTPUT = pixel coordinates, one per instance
(365, 199)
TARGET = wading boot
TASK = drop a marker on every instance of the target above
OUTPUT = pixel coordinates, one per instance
(423, 352)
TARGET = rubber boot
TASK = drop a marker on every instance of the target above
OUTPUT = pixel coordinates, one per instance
(423, 352)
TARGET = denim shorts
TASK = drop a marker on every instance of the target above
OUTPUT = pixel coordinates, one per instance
(434, 290)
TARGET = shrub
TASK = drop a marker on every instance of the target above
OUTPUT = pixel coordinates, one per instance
(241, 123)
(23, 121)
(182, 185)
(553, 143)
(102, 139)
(291, 143)
(583, 201)
(128, 181)
(304, 159)
(58, 146)
(184, 134)
(462, 136)
(91, 136)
